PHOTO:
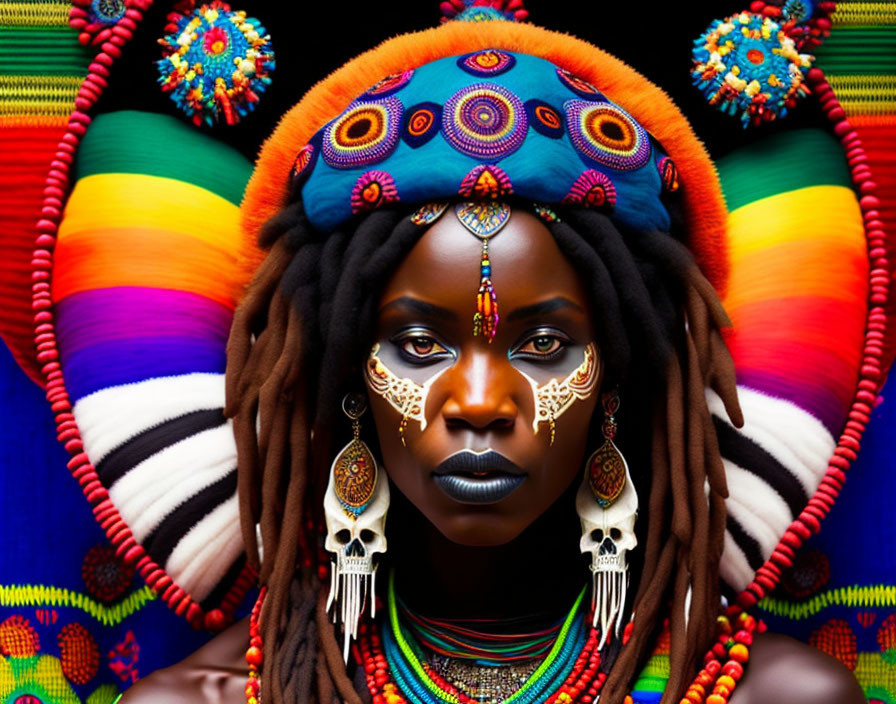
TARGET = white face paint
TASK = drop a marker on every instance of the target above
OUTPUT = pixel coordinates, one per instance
(553, 398)
(404, 395)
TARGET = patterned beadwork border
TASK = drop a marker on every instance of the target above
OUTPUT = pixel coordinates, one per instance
(40, 595)
(859, 596)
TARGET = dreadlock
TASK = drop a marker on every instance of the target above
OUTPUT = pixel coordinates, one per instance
(295, 348)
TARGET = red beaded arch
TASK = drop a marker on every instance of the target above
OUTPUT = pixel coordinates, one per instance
(55, 192)
(871, 371)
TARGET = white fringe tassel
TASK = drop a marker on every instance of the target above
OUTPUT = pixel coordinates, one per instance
(607, 600)
(351, 581)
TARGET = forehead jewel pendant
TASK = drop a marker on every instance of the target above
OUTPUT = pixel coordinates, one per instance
(484, 220)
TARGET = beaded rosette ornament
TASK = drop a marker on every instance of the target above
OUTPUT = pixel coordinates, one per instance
(747, 65)
(483, 10)
(217, 63)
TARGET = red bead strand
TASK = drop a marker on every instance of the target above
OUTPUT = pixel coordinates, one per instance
(255, 652)
(55, 192)
(871, 368)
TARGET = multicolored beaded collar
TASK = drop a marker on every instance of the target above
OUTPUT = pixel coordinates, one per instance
(580, 682)
(496, 123)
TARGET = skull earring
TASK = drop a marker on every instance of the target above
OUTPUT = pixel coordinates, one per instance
(355, 507)
(607, 504)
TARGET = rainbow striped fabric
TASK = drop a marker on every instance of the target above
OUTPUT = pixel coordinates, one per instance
(859, 61)
(150, 262)
(43, 66)
(797, 300)
(840, 595)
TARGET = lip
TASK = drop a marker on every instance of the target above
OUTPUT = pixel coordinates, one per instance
(478, 477)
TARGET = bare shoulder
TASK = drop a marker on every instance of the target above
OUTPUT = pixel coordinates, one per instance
(214, 673)
(783, 669)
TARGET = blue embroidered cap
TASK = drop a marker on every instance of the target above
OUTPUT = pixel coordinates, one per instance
(483, 125)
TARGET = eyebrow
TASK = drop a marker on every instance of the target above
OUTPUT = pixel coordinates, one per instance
(542, 308)
(415, 305)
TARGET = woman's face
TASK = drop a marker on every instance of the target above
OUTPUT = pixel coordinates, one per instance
(474, 451)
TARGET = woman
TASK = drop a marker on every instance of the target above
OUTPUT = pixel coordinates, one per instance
(473, 551)
(493, 391)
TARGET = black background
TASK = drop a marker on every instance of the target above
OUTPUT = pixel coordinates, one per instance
(312, 39)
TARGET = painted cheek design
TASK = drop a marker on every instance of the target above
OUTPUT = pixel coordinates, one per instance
(553, 398)
(404, 395)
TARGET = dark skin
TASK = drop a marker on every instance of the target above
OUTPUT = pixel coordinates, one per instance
(481, 400)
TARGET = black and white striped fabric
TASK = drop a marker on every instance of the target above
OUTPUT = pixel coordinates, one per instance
(167, 456)
(773, 465)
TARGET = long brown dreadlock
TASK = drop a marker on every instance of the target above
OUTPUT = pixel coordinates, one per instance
(295, 347)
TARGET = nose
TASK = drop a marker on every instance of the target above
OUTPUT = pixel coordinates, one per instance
(481, 393)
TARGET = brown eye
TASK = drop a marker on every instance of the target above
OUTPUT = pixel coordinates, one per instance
(542, 346)
(419, 347)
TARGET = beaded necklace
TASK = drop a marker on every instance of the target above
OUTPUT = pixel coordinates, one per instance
(421, 684)
(460, 640)
(722, 669)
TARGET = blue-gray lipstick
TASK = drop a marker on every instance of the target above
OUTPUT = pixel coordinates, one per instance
(478, 478)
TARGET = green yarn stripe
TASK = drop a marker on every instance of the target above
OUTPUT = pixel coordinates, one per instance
(853, 597)
(135, 142)
(654, 676)
(781, 163)
(30, 51)
(44, 596)
(856, 50)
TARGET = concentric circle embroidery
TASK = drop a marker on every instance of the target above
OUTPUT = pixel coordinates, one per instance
(389, 85)
(544, 119)
(607, 134)
(485, 121)
(579, 86)
(421, 123)
(490, 62)
(366, 133)
(107, 12)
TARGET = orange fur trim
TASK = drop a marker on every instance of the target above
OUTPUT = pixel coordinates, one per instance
(704, 206)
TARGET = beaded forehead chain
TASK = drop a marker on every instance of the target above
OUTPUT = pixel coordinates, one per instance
(484, 219)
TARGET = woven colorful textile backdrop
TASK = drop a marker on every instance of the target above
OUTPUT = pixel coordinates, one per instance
(42, 67)
(840, 596)
(149, 263)
(75, 624)
(859, 61)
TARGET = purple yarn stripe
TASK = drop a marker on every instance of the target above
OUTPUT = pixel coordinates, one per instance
(825, 404)
(126, 313)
